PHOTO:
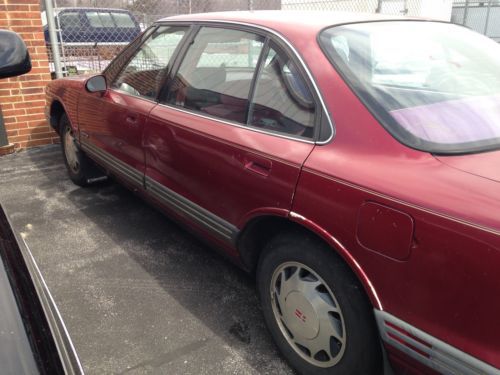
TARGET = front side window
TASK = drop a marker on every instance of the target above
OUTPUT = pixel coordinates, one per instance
(216, 74)
(282, 101)
(434, 86)
(143, 74)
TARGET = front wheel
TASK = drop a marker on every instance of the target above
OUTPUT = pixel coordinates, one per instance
(316, 309)
(80, 167)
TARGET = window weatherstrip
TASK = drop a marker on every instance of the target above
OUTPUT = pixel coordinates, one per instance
(256, 75)
(238, 125)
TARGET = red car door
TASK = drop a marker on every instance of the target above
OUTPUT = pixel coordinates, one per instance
(220, 148)
(112, 124)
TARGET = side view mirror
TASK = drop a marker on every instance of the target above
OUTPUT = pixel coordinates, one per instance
(14, 57)
(96, 84)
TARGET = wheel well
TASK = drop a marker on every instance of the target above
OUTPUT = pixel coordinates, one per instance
(56, 111)
(261, 230)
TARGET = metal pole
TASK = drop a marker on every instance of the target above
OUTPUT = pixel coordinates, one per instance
(379, 6)
(487, 18)
(466, 10)
(49, 9)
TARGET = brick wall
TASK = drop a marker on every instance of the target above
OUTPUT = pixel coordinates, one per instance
(22, 99)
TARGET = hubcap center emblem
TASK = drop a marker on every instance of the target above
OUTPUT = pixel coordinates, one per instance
(300, 316)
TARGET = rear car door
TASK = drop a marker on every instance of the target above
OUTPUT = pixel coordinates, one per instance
(112, 124)
(220, 148)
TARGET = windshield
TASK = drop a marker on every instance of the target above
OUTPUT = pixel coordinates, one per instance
(434, 86)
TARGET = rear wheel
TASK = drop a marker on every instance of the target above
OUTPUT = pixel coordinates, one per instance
(316, 309)
(80, 167)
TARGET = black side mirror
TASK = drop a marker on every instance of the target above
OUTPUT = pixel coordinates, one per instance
(14, 57)
(96, 84)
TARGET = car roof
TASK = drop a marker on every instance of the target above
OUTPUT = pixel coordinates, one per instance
(58, 10)
(282, 19)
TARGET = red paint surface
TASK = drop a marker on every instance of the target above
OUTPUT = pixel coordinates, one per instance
(384, 230)
(448, 286)
(206, 161)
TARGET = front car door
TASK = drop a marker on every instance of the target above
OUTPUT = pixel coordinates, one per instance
(111, 125)
(231, 133)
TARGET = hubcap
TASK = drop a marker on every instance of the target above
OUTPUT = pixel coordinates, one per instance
(308, 314)
(70, 150)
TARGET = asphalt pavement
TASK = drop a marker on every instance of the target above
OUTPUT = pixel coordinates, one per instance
(139, 294)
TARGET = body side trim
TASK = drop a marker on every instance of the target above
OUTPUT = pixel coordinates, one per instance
(404, 203)
(168, 197)
(430, 351)
(116, 165)
(201, 216)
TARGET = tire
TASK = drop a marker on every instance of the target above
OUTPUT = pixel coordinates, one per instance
(316, 310)
(80, 168)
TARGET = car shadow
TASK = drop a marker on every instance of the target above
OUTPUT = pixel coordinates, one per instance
(133, 244)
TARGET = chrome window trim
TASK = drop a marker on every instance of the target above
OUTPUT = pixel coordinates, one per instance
(297, 55)
(121, 92)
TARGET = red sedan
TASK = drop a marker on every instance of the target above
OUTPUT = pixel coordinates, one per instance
(350, 162)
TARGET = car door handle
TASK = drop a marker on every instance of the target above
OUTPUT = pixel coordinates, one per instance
(260, 167)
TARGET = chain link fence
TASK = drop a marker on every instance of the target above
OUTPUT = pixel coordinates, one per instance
(481, 16)
(90, 33)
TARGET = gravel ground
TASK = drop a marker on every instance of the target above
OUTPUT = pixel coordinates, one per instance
(138, 294)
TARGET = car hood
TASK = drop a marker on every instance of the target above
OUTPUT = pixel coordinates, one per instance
(486, 164)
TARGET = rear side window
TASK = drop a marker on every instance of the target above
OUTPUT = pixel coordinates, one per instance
(143, 74)
(282, 101)
(123, 20)
(100, 19)
(243, 53)
(216, 74)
